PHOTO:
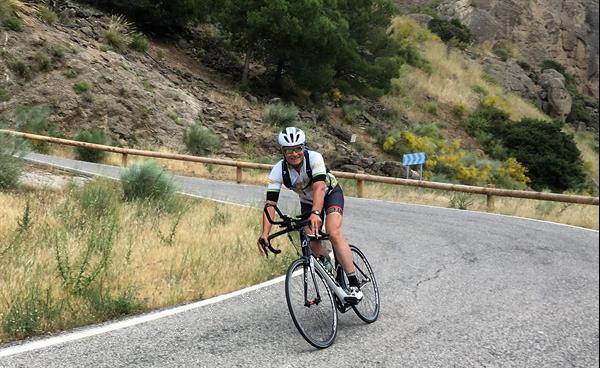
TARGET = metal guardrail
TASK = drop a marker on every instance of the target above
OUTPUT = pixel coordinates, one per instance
(489, 192)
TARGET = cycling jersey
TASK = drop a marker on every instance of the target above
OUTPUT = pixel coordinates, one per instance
(300, 182)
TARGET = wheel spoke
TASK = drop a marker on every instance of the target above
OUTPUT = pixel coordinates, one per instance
(311, 306)
(368, 308)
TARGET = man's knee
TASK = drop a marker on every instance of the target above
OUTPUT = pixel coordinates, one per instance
(335, 234)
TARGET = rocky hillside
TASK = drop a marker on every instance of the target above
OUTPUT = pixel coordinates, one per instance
(565, 31)
(148, 99)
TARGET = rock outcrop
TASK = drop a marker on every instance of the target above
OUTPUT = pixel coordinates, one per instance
(565, 31)
(556, 99)
(513, 77)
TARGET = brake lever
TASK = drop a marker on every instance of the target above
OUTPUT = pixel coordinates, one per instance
(266, 246)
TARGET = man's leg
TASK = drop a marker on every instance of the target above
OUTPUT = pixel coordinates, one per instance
(333, 227)
(317, 248)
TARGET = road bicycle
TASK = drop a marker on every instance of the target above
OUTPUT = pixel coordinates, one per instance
(314, 295)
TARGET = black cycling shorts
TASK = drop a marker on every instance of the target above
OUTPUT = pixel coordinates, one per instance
(334, 202)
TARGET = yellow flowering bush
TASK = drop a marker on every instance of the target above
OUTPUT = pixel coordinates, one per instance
(336, 95)
(449, 162)
(513, 169)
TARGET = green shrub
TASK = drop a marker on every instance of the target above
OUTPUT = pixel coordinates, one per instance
(90, 154)
(490, 79)
(10, 166)
(83, 265)
(461, 200)
(579, 111)
(352, 113)
(20, 68)
(451, 31)
(57, 52)
(200, 140)
(432, 107)
(139, 42)
(29, 312)
(13, 23)
(108, 305)
(552, 158)
(503, 49)
(281, 115)
(42, 60)
(47, 15)
(118, 32)
(551, 64)
(34, 119)
(146, 180)
(97, 198)
(4, 95)
(430, 130)
(482, 92)
(82, 86)
(484, 124)
(459, 110)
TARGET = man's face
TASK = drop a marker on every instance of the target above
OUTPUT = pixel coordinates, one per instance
(294, 155)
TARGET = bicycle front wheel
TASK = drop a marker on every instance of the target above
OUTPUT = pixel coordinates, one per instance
(311, 305)
(368, 308)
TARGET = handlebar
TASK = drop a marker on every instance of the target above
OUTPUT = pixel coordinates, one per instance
(288, 224)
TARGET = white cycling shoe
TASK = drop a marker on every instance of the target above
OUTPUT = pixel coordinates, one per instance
(354, 295)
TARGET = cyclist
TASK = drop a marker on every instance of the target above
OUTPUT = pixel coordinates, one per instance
(318, 190)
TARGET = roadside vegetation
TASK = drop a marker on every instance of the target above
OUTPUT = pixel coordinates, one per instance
(86, 254)
(564, 213)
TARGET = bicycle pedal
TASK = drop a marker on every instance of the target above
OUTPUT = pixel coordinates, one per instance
(350, 300)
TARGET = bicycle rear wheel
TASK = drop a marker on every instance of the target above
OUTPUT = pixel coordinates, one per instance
(311, 305)
(368, 308)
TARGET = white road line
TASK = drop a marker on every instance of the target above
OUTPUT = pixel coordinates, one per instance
(39, 344)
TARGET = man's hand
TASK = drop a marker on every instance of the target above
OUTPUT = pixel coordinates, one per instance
(315, 223)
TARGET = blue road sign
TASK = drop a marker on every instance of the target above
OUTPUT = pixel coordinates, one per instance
(417, 158)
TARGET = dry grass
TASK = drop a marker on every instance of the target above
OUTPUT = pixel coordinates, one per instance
(571, 214)
(586, 144)
(177, 167)
(578, 215)
(452, 82)
(158, 259)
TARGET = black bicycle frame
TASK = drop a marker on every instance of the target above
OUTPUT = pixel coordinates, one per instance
(309, 268)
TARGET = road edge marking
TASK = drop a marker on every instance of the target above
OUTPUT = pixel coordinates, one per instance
(112, 326)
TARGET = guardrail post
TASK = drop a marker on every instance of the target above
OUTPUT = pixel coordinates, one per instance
(490, 199)
(124, 160)
(359, 188)
(238, 174)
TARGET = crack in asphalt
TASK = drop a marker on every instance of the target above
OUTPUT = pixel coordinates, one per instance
(435, 276)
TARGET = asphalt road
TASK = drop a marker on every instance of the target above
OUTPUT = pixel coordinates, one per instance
(458, 289)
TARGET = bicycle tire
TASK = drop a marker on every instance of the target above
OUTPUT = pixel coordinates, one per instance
(368, 308)
(317, 323)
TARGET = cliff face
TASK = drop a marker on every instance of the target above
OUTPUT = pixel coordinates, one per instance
(565, 31)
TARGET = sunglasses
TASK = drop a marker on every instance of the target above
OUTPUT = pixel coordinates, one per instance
(291, 150)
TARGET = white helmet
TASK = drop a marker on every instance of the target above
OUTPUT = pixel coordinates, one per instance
(290, 137)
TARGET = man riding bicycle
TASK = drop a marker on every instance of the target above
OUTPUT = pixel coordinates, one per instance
(304, 172)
